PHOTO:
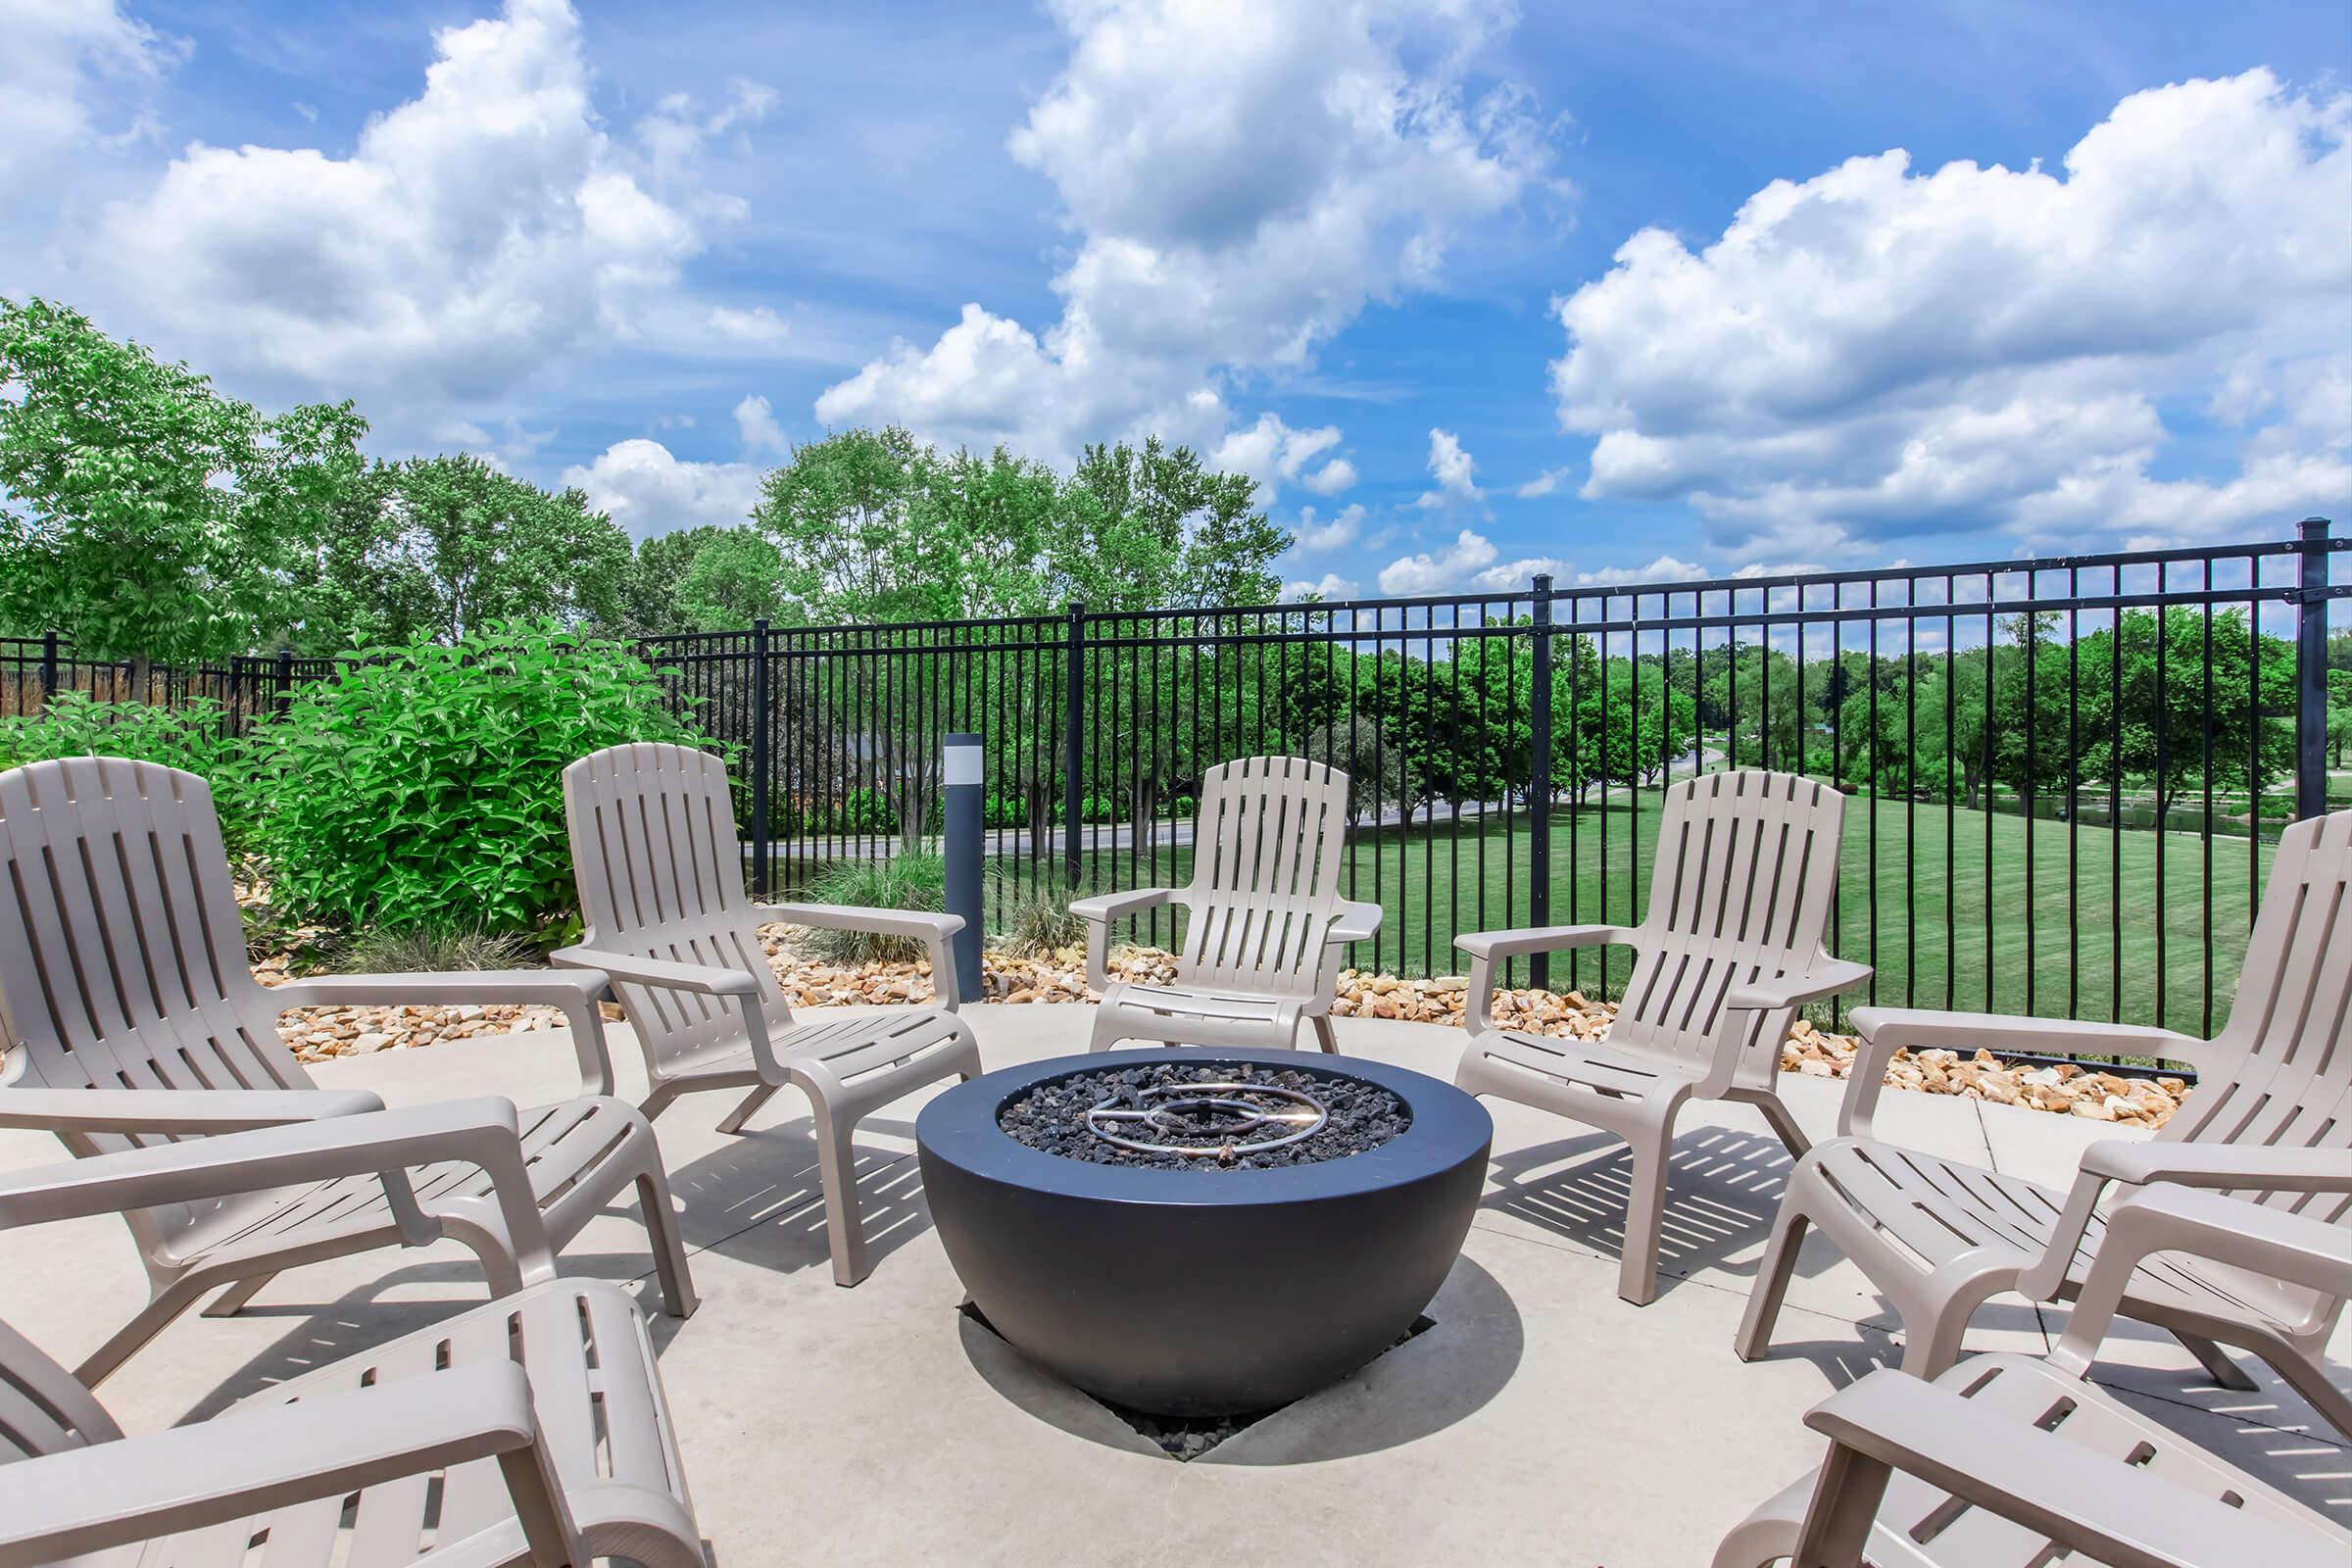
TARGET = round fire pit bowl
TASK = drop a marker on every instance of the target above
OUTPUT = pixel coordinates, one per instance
(1213, 1288)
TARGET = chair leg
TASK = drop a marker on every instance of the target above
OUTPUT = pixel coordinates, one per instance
(1764, 1297)
(1931, 1339)
(734, 1119)
(231, 1302)
(678, 1298)
(167, 1304)
(1325, 1034)
(2309, 1378)
(2217, 1362)
(1644, 1223)
(836, 1170)
(1105, 1031)
(1783, 1125)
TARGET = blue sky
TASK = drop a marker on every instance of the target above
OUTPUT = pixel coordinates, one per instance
(1473, 290)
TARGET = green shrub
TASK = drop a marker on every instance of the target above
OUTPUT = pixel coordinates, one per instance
(1036, 919)
(188, 737)
(422, 788)
(426, 949)
(902, 882)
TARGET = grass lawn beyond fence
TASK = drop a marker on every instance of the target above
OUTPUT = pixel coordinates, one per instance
(2030, 916)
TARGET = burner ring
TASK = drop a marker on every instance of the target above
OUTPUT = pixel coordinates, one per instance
(1304, 1117)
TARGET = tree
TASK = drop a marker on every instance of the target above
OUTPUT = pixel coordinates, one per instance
(441, 546)
(1374, 767)
(644, 602)
(842, 512)
(142, 514)
(1151, 529)
(734, 578)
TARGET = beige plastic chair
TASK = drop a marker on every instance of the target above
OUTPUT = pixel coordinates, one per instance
(530, 1431)
(1728, 950)
(2007, 1461)
(1264, 924)
(131, 1019)
(660, 871)
(2271, 1117)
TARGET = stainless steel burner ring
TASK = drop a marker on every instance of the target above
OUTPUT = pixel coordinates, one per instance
(1303, 1118)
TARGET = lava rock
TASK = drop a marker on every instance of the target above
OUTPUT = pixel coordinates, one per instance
(1051, 1116)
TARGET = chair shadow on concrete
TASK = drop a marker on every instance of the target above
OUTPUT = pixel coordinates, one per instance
(758, 1197)
(1424, 1386)
(1723, 1189)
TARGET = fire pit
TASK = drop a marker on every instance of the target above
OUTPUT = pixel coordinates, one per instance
(1198, 1233)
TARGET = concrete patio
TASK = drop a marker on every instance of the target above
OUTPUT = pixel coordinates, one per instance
(1541, 1421)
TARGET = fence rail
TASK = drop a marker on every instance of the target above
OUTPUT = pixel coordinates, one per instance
(2065, 775)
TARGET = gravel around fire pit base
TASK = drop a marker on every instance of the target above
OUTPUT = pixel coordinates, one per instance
(1051, 1116)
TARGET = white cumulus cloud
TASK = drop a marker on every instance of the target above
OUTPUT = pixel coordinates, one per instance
(73, 74)
(755, 423)
(1274, 455)
(1318, 533)
(1454, 471)
(649, 491)
(1542, 484)
(1470, 564)
(474, 231)
(1881, 351)
(1242, 180)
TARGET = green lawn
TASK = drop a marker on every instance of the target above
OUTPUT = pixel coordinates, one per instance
(1931, 945)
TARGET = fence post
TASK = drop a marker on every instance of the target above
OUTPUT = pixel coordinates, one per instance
(763, 759)
(1073, 745)
(1539, 787)
(2311, 674)
(284, 697)
(48, 668)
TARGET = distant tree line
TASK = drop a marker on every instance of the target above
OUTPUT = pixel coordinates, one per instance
(145, 516)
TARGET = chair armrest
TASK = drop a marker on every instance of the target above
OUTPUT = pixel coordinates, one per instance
(2046, 1483)
(571, 992)
(666, 974)
(1099, 911)
(1489, 947)
(1884, 1031)
(256, 1459)
(382, 1144)
(1543, 939)
(176, 1110)
(933, 930)
(1825, 977)
(2136, 1162)
(2295, 1248)
(1358, 921)
(1746, 1043)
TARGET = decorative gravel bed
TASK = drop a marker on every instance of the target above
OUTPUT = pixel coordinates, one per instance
(1197, 1107)
(1047, 979)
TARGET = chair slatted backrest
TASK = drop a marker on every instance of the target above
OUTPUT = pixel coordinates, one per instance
(1268, 848)
(121, 954)
(1740, 891)
(660, 871)
(44, 1407)
(2280, 1071)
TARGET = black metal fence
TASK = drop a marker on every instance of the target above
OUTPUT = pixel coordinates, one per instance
(36, 669)
(2065, 775)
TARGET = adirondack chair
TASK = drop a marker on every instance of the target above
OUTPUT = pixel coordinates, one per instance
(2010, 1461)
(130, 1019)
(2271, 1117)
(530, 1431)
(1265, 923)
(1727, 952)
(660, 872)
